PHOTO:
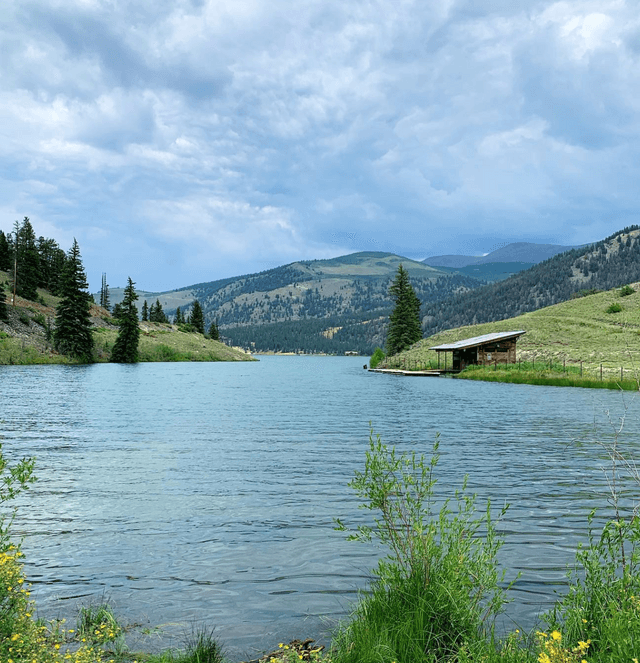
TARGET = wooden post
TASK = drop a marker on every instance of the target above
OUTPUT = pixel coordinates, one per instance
(564, 365)
(600, 372)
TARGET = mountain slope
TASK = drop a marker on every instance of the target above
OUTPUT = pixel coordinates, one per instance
(604, 265)
(336, 305)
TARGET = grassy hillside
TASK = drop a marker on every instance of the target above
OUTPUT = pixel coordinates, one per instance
(24, 337)
(580, 329)
(607, 264)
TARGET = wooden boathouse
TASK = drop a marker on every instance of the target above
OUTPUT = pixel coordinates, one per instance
(486, 350)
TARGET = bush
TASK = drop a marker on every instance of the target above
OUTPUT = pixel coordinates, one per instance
(438, 588)
(626, 290)
(614, 308)
(376, 358)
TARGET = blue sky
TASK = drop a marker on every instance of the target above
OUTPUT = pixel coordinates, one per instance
(188, 140)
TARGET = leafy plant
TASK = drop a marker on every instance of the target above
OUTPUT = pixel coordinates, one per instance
(614, 308)
(376, 358)
(625, 291)
(438, 587)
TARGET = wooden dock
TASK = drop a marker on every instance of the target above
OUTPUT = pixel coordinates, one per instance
(431, 373)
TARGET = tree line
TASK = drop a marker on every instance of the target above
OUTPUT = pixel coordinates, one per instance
(40, 263)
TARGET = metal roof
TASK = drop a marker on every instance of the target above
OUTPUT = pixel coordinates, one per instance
(478, 340)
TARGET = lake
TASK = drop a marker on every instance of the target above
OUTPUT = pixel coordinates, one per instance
(206, 493)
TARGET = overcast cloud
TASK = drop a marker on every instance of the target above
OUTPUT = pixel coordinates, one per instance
(191, 140)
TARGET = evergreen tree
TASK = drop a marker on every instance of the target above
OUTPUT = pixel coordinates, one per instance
(117, 311)
(197, 317)
(104, 293)
(145, 311)
(179, 317)
(51, 260)
(404, 321)
(125, 349)
(5, 253)
(27, 261)
(72, 335)
(214, 331)
(156, 314)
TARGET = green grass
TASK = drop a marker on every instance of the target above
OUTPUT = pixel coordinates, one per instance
(553, 375)
(579, 330)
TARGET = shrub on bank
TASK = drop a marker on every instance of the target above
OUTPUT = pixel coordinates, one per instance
(439, 588)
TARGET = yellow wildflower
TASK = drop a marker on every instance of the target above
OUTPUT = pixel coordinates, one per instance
(556, 635)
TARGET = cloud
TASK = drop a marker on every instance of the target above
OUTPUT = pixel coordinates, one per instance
(259, 134)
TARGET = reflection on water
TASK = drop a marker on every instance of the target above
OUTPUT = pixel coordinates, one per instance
(206, 492)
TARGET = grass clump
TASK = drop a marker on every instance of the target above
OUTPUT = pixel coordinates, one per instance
(614, 308)
(438, 589)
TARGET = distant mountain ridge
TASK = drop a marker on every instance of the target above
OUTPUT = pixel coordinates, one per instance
(526, 252)
(342, 304)
(334, 305)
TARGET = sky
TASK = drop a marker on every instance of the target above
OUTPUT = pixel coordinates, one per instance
(183, 141)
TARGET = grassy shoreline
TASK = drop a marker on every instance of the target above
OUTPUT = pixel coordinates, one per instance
(556, 376)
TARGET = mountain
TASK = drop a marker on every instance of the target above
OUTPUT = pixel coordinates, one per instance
(333, 306)
(523, 252)
(491, 271)
(607, 264)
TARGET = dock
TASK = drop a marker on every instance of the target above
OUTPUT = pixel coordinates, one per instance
(432, 372)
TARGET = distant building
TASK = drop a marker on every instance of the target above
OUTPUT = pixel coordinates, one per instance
(485, 350)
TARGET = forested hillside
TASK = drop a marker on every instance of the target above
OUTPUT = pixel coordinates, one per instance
(607, 264)
(331, 306)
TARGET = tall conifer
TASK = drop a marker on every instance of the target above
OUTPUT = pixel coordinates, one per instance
(27, 261)
(72, 335)
(404, 321)
(197, 317)
(125, 349)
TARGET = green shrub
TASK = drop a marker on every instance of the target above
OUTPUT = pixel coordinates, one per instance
(438, 588)
(376, 358)
(626, 290)
(39, 319)
(24, 318)
(614, 308)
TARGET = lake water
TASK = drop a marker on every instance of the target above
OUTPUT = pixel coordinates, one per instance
(205, 493)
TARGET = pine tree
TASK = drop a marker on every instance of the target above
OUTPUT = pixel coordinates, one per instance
(404, 321)
(104, 293)
(5, 253)
(214, 331)
(156, 314)
(179, 317)
(27, 261)
(145, 311)
(197, 317)
(125, 349)
(72, 335)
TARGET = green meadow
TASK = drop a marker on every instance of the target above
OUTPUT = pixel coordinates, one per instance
(572, 340)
